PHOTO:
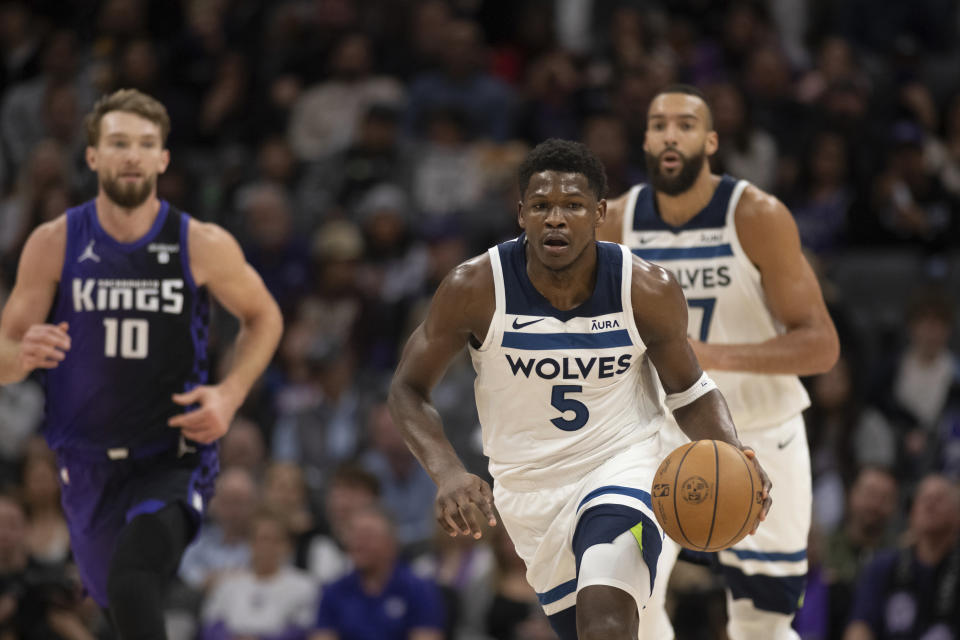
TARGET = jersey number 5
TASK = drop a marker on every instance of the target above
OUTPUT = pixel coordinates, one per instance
(132, 336)
(707, 305)
(560, 401)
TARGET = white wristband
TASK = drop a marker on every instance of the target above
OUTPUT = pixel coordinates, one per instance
(681, 399)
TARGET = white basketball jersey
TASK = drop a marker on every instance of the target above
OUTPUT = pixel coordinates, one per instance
(724, 295)
(560, 392)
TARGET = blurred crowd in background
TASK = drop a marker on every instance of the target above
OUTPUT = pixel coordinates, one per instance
(359, 149)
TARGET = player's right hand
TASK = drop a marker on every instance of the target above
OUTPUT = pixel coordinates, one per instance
(43, 346)
(459, 500)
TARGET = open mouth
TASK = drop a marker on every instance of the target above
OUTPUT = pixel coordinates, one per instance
(555, 243)
(670, 159)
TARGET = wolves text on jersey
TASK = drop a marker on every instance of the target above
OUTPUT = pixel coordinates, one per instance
(569, 368)
(93, 294)
(703, 277)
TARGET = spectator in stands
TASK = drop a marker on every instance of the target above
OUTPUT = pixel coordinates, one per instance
(913, 592)
(36, 600)
(268, 601)
(749, 152)
(824, 195)
(48, 539)
(406, 488)
(350, 489)
(382, 598)
(462, 84)
(915, 386)
(463, 569)
(223, 544)
(872, 507)
(279, 255)
(514, 600)
(912, 203)
(243, 447)
(324, 117)
(285, 496)
(844, 435)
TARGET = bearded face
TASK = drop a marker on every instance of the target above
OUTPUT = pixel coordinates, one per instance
(672, 172)
(127, 190)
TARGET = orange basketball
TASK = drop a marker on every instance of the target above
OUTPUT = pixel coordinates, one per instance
(707, 495)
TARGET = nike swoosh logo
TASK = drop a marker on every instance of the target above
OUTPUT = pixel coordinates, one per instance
(781, 445)
(645, 240)
(521, 325)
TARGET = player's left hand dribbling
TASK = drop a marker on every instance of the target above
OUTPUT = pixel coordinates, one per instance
(767, 485)
(210, 420)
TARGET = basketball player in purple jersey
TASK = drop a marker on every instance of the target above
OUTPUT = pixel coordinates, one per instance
(111, 303)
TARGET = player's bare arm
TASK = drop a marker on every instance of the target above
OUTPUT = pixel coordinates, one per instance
(218, 264)
(660, 311)
(461, 309)
(26, 341)
(611, 229)
(809, 345)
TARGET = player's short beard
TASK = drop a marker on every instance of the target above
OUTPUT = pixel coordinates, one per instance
(128, 196)
(675, 185)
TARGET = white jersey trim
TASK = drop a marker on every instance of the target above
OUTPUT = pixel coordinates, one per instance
(626, 224)
(731, 221)
(496, 325)
(626, 291)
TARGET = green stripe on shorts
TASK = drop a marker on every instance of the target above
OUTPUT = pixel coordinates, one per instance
(637, 531)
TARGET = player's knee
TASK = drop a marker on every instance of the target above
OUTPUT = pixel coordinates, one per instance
(606, 613)
(152, 543)
(606, 627)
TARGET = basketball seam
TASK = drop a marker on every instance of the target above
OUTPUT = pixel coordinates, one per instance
(716, 494)
(676, 486)
(746, 462)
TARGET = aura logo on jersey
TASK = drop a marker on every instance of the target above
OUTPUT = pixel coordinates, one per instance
(104, 294)
(570, 368)
(703, 277)
(599, 325)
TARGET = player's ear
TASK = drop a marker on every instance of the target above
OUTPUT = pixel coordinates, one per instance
(712, 143)
(164, 160)
(90, 154)
(520, 214)
(601, 214)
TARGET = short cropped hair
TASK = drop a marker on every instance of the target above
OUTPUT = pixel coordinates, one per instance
(689, 90)
(565, 156)
(132, 101)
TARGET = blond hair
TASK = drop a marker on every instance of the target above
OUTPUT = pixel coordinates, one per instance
(132, 101)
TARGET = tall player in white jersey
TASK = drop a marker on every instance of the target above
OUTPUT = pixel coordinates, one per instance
(757, 321)
(568, 336)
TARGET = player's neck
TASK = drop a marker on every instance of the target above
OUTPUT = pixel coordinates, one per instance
(679, 209)
(126, 225)
(568, 288)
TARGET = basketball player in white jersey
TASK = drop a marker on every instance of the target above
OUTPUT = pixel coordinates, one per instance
(757, 321)
(568, 336)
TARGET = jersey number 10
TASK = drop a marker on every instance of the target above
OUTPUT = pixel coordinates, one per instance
(131, 335)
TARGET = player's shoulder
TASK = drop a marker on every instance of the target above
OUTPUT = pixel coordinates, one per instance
(765, 227)
(757, 207)
(471, 277)
(208, 234)
(49, 238)
(651, 282)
